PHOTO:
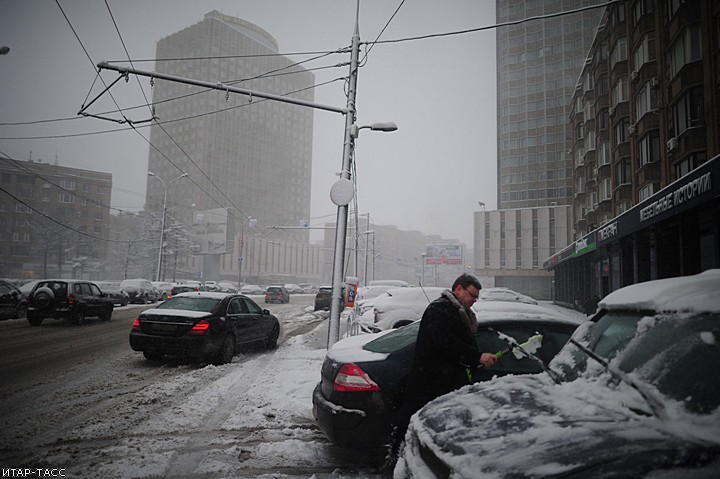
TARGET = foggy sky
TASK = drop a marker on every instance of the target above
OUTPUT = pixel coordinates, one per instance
(427, 176)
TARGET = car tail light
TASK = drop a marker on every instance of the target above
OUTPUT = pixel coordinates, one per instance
(136, 325)
(71, 299)
(352, 378)
(200, 328)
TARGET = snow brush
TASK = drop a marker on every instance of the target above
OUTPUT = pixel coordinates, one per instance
(521, 350)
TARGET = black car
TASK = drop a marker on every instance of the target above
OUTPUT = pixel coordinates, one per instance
(205, 325)
(362, 377)
(114, 292)
(69, 299)
(634, 393)
(277, 294)
(182, 288)
(13, 303)
(323, 298)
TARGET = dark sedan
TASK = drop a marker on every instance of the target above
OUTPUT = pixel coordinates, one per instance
(13, 303)
(323, 298)
(634, 393)
(205, 325)
(362, 376)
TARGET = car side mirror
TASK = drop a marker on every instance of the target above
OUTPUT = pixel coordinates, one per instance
(266, 312)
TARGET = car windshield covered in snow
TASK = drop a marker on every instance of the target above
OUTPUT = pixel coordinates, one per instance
(191, 303)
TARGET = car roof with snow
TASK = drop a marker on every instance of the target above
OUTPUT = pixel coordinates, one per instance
(518, 311)
(205, 294)
(686, 293)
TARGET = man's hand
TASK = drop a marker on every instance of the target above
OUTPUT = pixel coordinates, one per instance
(488, 359)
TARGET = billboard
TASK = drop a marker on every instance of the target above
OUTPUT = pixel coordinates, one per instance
(443, 254)
(214, 231)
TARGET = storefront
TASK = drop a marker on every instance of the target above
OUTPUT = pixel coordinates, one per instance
(675, 232)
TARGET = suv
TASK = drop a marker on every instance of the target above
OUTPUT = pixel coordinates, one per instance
(140, 290)
(277, 294)
(69, 299)
(12, 302)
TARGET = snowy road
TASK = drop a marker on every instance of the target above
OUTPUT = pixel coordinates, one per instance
(111, 414)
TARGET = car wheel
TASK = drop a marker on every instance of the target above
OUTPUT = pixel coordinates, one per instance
(21, 311)
(227, 351)
(34, 319)
(271, 341)
(79, 316)
(106, 316)
(42, 298)
(152, 355)
(124, 302)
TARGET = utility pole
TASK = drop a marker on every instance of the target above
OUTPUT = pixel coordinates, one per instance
(337, 301)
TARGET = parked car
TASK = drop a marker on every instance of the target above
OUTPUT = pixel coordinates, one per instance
(363, 376)
(27, 288)
(323, 298)
(13, 303)
(206, 325)
(227, 287)
(69, 299)
(277, 294)
(252, 289)
(140, 291)
(400, 306)
(505, 294)
(293, 288)
(114, 292)
(634, 393)
(181, 288)
(163, 289)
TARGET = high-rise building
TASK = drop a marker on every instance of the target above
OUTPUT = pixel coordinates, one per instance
(538, 62)
(541, 48)
(249, 155)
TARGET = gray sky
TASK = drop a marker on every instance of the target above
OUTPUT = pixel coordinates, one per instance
(427, 176)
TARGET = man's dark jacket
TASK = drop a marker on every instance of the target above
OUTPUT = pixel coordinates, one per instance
(444, 351)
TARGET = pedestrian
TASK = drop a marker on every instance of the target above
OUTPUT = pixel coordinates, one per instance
(446, 354)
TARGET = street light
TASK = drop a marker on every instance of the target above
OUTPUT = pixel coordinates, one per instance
(387, 126)
(162, 224)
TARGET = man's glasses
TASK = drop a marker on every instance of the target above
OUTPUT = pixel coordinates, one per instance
(475, 296)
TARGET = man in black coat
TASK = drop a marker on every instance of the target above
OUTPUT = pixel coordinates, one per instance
(446, 355)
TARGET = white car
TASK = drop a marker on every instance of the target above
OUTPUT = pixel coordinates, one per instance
(252, 289)
(634, 393)
(401, 306)
(504, 294)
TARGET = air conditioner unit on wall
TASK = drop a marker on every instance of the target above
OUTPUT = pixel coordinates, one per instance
(633, 76)
(611, 111)
(654, 82)
(672, 144)
(631, 129)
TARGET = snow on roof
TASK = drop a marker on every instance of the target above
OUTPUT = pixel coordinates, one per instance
(687, 293)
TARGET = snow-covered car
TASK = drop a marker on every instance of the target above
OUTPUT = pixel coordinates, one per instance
(114, 292)
(252, 289)
(227, 287)
(139, 290)
(362, 377)
(400, 306)
(504, 294)
(634, 393)
(205, 325)
(163, 289)
(293, 288)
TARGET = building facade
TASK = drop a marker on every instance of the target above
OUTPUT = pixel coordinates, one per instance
(645, 123)
(247, 154)
(538, 58)
(54, 221)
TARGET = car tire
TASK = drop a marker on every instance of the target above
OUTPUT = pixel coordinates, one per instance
(271, 341)
(43, 297)
(34, 319)
(226, 352)
(124, 302)
(21, 311)
(152, 355)
(79, 316)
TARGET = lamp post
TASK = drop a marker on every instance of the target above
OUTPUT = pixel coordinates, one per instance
(162, 224)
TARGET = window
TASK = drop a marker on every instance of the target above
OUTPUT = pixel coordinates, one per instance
(673, 6)
(686, 49)
(646, 191)
(605, 189)
(67, 184)
(689, 164)
(621, 131)
(640, 8)
(619, 92)
(66, 198)
(21, 237)
(622, 172)
(646, 100)
(645, 52)
(649, 148)
(21, 208)
(619, 51)
(689, 111)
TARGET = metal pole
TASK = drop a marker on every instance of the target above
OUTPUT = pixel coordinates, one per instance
(162, 230)
(337, 302)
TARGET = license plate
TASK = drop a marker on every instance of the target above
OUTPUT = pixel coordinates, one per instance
(164, 327)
